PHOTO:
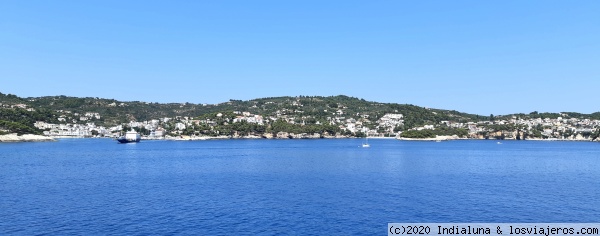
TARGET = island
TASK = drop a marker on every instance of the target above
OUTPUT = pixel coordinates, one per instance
(299, 117)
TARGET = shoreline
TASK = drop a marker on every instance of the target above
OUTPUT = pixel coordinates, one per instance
(203, 138)
(41, 138)
(14, 138)
(498, 140)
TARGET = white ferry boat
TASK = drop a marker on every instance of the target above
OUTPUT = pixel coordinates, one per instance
(130, 137)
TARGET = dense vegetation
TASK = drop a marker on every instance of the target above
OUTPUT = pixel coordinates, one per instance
(21, 121)
(439, 131)
(544, 115)
(305, 114)
(308, 109)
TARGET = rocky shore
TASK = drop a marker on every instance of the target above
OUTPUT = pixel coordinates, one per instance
(454, 137)
(24, 138)
(280, 135)
(284, 135)
(437, 138)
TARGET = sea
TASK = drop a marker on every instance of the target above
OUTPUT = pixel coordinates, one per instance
(290, 187)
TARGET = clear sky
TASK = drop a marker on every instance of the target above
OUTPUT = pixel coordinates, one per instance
(479, 57)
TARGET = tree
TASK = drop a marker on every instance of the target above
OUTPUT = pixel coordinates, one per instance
(426, 133)
(360, 134)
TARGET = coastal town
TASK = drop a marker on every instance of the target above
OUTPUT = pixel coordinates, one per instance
(192, 128)
(277, 118)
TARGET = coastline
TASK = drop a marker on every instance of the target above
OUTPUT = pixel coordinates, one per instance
(42, 138)
(200, 138)
(11, 138)
(437, 138)
(537, 140)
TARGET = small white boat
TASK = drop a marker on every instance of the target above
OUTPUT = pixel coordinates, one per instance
(366, 144)
(499, 143)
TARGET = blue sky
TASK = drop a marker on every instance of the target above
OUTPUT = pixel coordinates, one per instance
(479, 57)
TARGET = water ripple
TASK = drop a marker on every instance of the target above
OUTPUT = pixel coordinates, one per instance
(289, 187)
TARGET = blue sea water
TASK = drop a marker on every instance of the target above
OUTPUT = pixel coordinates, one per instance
(289, 187)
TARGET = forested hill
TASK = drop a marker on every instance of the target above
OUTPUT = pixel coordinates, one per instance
(318, 108)
(309, 109)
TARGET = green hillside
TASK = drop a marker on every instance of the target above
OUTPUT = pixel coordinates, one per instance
(302, 114)
(312, 108)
